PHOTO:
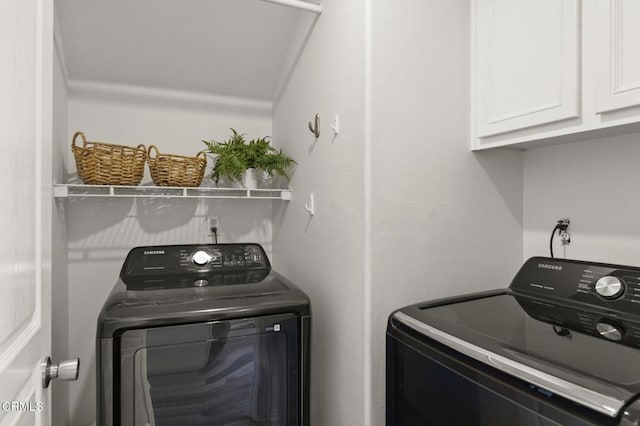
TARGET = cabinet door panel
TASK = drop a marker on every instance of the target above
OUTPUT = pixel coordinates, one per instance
(526, 63)
(617, 59)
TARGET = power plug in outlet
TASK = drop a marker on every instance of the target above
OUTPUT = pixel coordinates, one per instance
(213, 222)
(213, 227)
(565, 236)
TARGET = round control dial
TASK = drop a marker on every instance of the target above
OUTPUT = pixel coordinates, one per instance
(609, 287)
(610, 331)
(201, 258)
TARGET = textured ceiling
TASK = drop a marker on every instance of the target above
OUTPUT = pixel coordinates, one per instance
(222, 47)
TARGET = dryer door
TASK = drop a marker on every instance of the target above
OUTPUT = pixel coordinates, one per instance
(237, 372)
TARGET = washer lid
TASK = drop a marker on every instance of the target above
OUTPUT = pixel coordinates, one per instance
(556, 347)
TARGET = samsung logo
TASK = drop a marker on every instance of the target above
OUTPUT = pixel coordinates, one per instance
(548, 266)
(153, 252)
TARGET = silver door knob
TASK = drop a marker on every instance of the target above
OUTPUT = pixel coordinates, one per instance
(66, 370)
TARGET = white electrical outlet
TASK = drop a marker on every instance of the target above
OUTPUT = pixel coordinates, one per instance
(213, 227)
(565, 236)
(213, 222)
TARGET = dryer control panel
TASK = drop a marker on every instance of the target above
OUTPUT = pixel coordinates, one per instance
(193, 259)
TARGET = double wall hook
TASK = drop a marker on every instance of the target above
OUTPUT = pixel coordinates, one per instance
(311, 205)
(315, 129)
(335, 126)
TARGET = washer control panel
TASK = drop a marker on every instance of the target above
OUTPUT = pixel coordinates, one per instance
(194, 259)
(609, 286)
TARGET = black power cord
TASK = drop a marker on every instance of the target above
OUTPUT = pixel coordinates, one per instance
(214, 234)
(556, 228)
(562, 225)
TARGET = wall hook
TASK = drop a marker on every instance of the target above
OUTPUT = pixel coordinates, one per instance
(315, 129)
(310, 206)
(335, 126)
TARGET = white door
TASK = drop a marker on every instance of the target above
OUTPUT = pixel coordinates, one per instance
(25, 209)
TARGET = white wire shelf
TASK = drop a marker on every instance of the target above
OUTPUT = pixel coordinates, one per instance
(77, 190)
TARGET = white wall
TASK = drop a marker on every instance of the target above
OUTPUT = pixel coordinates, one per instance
(101, 231)
(59, 269)
(594, 183)
(444, 220)
(324, 254)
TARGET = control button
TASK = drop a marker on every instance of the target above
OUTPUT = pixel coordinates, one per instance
(609, 287)
(200, 283)
(201, 258)
(610, 331)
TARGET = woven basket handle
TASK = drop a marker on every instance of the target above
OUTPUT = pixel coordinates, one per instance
(202, 154)
(84, 139)
(152, 147)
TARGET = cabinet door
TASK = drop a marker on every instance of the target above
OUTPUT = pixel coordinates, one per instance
(617, 59)
(525, 63)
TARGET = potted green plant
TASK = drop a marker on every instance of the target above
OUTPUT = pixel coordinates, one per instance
(235, 157)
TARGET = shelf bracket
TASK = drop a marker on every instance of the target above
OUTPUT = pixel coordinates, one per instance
(60, 191)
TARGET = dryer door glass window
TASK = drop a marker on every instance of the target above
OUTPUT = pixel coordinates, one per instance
(219, 378)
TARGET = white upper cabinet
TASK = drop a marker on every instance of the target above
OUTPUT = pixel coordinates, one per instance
(548, 71)
(526, 64)
(618, 54)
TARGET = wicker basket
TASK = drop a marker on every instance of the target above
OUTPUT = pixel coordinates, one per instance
(100, 163)
(176, 170)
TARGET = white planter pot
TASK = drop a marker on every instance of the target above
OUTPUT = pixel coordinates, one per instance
(250, 179)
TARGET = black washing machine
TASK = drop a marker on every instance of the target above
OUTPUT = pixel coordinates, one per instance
(203, 335)
(560, 346)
